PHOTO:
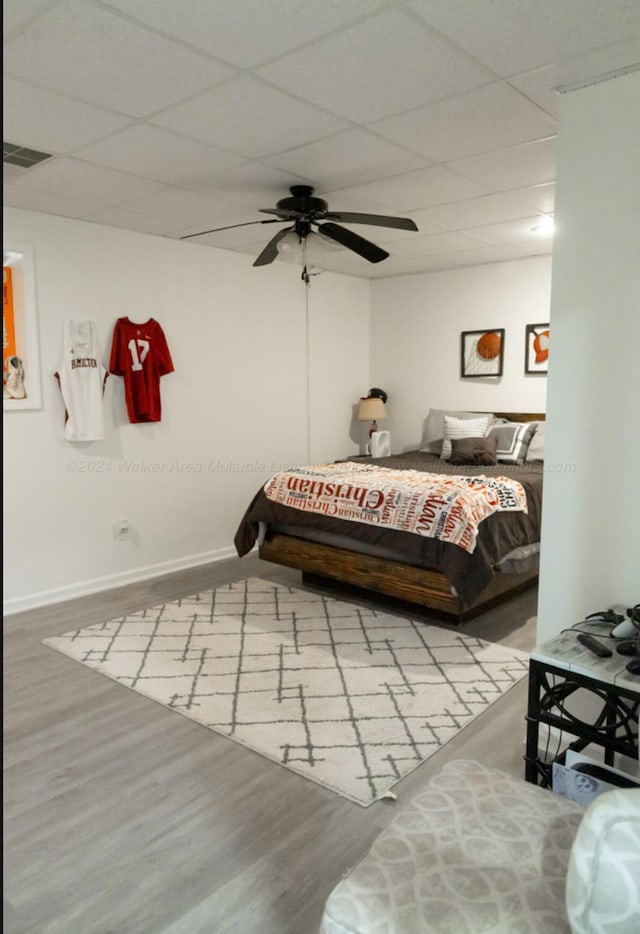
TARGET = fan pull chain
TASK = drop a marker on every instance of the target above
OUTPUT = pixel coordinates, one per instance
(305, 272)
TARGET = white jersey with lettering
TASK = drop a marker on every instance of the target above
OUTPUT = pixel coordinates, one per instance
(82, 378)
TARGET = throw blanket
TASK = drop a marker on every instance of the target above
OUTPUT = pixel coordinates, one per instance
(445, 507)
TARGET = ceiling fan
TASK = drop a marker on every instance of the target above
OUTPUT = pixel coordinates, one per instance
(307, 212)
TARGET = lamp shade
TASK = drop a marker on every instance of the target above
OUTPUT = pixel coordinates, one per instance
(371, 409)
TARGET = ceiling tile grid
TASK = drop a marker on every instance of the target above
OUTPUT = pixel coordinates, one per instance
(175, 118)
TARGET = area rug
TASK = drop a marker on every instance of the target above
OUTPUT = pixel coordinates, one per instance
(346, 696)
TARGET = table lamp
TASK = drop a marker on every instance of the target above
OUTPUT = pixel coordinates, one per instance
(371, 409)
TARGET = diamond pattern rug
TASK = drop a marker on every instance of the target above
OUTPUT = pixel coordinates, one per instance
(346, 696)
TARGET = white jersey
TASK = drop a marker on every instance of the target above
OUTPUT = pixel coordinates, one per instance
(82, 377)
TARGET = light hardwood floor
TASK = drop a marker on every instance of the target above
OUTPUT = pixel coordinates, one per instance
(122, 817)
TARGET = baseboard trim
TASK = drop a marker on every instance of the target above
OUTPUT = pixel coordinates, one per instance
(112, 581)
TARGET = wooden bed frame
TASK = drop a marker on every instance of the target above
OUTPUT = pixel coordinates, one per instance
(428, 589)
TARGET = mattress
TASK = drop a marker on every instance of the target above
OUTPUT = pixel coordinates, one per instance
(499, 538)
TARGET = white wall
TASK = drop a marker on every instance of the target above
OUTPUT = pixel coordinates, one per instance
(590, 555)
(339, 333)
(416, 323)
(235, 408)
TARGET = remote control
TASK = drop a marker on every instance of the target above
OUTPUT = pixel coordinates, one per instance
(594, 646)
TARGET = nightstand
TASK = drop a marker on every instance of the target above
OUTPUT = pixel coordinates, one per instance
(560, 668)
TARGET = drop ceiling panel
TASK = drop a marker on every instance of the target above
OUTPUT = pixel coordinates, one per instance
(97, 52)
(183, 208)
(541, 85)
(519, 35)
(492, 254)
(345, 159)
(413, 190)
(387, 237)
(16, 14)
(514, 167)
(387, 64)
(603, 61)
(42, 118)
(11, 172)
(485, 119)
(226, 117)
(511, 232)
(16, 196)
(495, 208)
(253, 185)
(437, 243)
(127, 220)
(249, 32)
(158, 154)
(67, 176)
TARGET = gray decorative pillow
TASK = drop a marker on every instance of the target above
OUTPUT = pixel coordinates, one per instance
(474, 451)
(433, 435)
(536, 447)
(513, 441)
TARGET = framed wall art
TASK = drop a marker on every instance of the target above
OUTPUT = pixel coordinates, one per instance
(482, 353)
(536, 349)
(21, 387)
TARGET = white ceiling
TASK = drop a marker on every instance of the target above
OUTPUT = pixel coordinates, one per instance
(174, 116)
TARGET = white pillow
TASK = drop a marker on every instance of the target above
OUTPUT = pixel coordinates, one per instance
(433, 433)
(462, 428)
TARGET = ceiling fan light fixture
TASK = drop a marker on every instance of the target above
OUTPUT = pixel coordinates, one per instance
(312, 250)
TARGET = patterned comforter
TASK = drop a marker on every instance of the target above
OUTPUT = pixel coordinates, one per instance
(468, 572)
(449, 508)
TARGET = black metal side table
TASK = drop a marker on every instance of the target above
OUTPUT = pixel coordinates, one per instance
(558, 670)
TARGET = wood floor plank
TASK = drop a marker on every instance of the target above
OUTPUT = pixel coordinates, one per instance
(124, 818)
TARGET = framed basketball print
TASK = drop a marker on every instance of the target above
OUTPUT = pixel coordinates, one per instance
(536, 350)
(482, 353)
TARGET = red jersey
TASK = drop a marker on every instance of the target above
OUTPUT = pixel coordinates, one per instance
(139, 352)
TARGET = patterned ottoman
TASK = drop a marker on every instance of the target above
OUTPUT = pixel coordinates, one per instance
(477, 850)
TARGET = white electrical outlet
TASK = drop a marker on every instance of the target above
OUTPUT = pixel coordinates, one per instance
(121, 530)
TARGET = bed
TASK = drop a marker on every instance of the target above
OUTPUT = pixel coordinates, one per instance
(438, 576)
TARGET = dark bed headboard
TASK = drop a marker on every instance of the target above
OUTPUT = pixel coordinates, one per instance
(522, 416)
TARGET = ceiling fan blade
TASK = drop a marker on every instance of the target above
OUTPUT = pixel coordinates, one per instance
(270, 252)
(285, 215)
(230, 227)
(378, 220)
(352, 241)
